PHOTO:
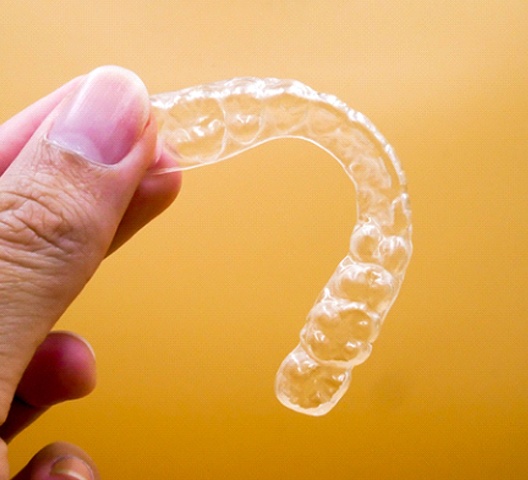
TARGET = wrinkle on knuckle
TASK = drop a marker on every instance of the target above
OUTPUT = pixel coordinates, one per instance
(42, 220)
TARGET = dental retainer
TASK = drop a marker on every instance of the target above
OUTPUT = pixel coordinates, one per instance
(210, 123)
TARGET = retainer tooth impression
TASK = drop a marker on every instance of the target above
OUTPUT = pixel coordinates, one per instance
(208, 124)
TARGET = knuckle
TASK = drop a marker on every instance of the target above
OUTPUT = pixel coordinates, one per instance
(39, 219)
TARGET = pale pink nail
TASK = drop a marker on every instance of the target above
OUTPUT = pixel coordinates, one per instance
(103, 119)
(71, 468)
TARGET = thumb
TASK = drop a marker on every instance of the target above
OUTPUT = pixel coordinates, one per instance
(61, 201)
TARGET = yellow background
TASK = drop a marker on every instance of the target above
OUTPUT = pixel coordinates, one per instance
(191, 319)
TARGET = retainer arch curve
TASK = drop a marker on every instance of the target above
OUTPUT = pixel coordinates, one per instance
(210, 123)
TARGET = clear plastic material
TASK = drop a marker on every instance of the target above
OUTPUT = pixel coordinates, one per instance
(210, 123)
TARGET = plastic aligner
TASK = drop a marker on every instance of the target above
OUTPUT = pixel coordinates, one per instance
(208, 124)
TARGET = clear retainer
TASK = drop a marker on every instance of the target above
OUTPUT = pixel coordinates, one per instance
(210, 123)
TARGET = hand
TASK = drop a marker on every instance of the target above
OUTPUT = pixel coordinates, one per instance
(74, 186)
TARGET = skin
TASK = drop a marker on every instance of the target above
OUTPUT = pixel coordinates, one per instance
(45, 262)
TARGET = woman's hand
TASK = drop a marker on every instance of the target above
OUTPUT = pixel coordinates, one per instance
(74, 186)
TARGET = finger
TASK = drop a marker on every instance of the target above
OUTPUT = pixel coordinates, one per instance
(154, 194)
(62, 368)
(59, 461)
(15, 132)
(61, 201)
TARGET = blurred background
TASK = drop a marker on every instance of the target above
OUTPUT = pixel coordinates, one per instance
(191, 319)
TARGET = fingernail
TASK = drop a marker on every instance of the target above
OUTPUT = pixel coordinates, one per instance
(71, 468)
(78, 337)
(102, 120)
